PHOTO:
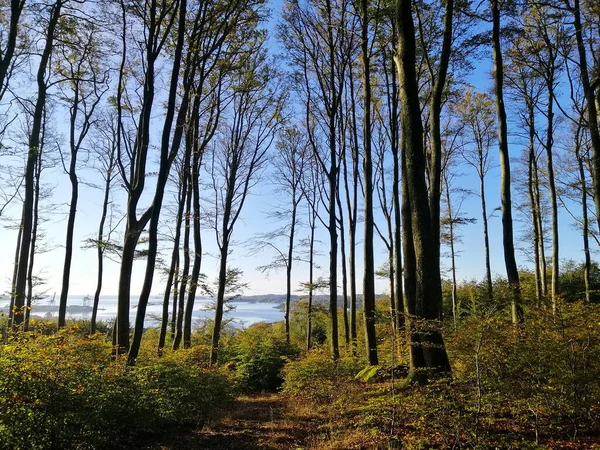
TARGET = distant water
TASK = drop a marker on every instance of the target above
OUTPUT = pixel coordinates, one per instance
(243, 314)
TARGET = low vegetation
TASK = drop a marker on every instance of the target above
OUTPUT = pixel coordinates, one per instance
(535, 386)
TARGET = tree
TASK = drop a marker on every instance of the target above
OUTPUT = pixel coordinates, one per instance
(250, 123)
(369, 265)
(289, 163)
(108, 171)
(476, 113)
(10, 45)
(84, 84)
(427, 350)
(53, 11)
(505, 192)
(589, 91)
(320, 44)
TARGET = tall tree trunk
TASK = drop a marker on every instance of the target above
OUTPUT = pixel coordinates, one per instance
(168, 152)
(311, 247)
(14, 275)
(435, 166)
(428, 283)
(173, 269)
(552, 189)
(216, 336)
(486, 239)
(534, 203)
(369, 264)
(505, 195)
(34, 236)
(396, 200)
(185, 272)
(64, 293)
(100, 245)
(32, 156)
(192, 142)
(584, 211)
(452, 252)
(345, 317)
(352, 206)
(288, 271)
(541, 247)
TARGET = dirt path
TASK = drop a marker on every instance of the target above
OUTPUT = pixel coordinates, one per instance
(256, 422)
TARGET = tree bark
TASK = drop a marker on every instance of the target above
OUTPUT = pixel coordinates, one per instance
(435, 166)
(185, 272)
(369, 264)
(427, 283)
(584, 211)
(173, 268)
(505, 194)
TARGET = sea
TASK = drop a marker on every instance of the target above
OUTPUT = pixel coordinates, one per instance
(241, 313)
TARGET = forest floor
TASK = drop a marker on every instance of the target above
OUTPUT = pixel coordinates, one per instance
(271, 422)
(253, 422)
(276, 422)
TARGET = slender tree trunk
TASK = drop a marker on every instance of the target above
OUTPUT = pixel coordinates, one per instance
(214, 351)
(32, 156)
(486, 239)
(311, 247)
(369, 264)
(584, 211)
(173, 268)
(288, 272)
(168, 152)
(452, 252)
(347, 340)
(176, 308)
(552, 189)
(64, 293)
(100, 242)
(186, 264)
(198, 150)
(352, 205)
(14, 276)
(396, 201)
(507, 221)
(34, 236)
(534, 205)
(435, 172)
(540, 227)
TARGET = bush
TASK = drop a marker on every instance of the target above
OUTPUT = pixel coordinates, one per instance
(261, 352)
(65, 391)
(318, 377)
(546, 374)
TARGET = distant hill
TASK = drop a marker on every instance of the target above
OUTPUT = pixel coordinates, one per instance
(322, 299)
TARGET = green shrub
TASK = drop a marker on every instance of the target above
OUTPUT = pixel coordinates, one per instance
(65, 391)
(318, 377)
(261, 352)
